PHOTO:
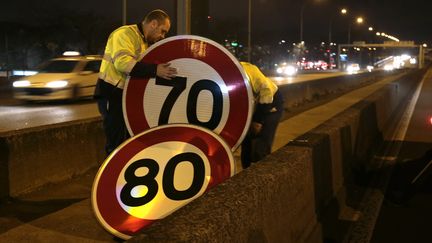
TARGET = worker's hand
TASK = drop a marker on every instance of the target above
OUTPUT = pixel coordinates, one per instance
(255, 128)
(164, 70)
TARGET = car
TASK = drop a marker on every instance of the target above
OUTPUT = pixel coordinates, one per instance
(287, 69)
(63, 78)
(353, 68)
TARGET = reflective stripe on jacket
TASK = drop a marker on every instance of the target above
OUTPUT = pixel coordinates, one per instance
(125, 47)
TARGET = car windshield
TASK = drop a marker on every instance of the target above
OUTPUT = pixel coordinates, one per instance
(58, 66)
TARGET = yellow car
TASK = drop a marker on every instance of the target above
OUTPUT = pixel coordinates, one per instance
(69, 77)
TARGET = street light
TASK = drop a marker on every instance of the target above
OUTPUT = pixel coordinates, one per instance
(359, 20)
(343, 11)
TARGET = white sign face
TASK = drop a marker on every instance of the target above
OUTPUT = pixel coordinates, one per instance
(185, 167)
(211, 90)
(155, 173)
(192, 103)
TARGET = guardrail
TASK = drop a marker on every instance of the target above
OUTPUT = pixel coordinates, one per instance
(34, 157)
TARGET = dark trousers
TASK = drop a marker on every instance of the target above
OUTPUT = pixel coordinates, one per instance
(256, 147)
(109, 99)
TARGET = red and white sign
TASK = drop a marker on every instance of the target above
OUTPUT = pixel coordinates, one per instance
(155, 173)
(211, 90)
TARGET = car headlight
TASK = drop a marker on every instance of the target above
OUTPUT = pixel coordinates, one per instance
(290, 70)
(57, 84)
(388, 67)
(21, 83)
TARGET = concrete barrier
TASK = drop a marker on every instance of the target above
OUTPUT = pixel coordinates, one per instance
(271, 202)
(307, 92)
(34, 157)
(343, 148)
(287, 196)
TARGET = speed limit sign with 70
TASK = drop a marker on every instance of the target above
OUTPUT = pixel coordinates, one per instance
(211, 90)
(155, 173)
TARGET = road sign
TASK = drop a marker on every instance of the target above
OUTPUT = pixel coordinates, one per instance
(211, 90)
(155, 173)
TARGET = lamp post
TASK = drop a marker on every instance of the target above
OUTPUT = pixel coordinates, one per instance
(183, 16)
(359, 20)
(124, 11)
(301, 20)
(343, 11)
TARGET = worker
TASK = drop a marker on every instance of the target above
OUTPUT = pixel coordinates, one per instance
(122, 59)
(267, 114)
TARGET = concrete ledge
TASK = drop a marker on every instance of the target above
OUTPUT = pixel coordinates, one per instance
(314, 90)
(273, 201)
(34, 157)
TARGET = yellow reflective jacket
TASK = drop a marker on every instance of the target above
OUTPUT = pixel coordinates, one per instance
(262, 87)
(267, 97)
(125, 47)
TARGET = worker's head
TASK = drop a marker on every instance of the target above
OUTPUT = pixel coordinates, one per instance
(156, 25)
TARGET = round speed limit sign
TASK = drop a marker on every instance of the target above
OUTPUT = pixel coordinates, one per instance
(211, 90)
(155, 173)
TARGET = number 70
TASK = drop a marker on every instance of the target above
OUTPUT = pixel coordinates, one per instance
(179, 85)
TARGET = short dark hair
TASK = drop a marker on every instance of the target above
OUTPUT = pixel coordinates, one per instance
(158, 15)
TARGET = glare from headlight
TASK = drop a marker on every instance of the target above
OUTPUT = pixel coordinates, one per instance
(290, 70)
(388, 67)
(279, 70)
(57, 84)
(21, 83)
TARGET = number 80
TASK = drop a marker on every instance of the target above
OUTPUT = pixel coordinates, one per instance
(168, 187)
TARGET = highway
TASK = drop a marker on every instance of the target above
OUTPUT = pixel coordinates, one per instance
(16, 115)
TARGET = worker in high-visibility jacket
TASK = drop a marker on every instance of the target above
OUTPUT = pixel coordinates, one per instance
(123, 52)
(268, 111)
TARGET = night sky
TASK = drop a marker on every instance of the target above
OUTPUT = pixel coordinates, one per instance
(271, 19)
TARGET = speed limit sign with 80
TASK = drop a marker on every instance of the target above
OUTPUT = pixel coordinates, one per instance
(156, 172)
